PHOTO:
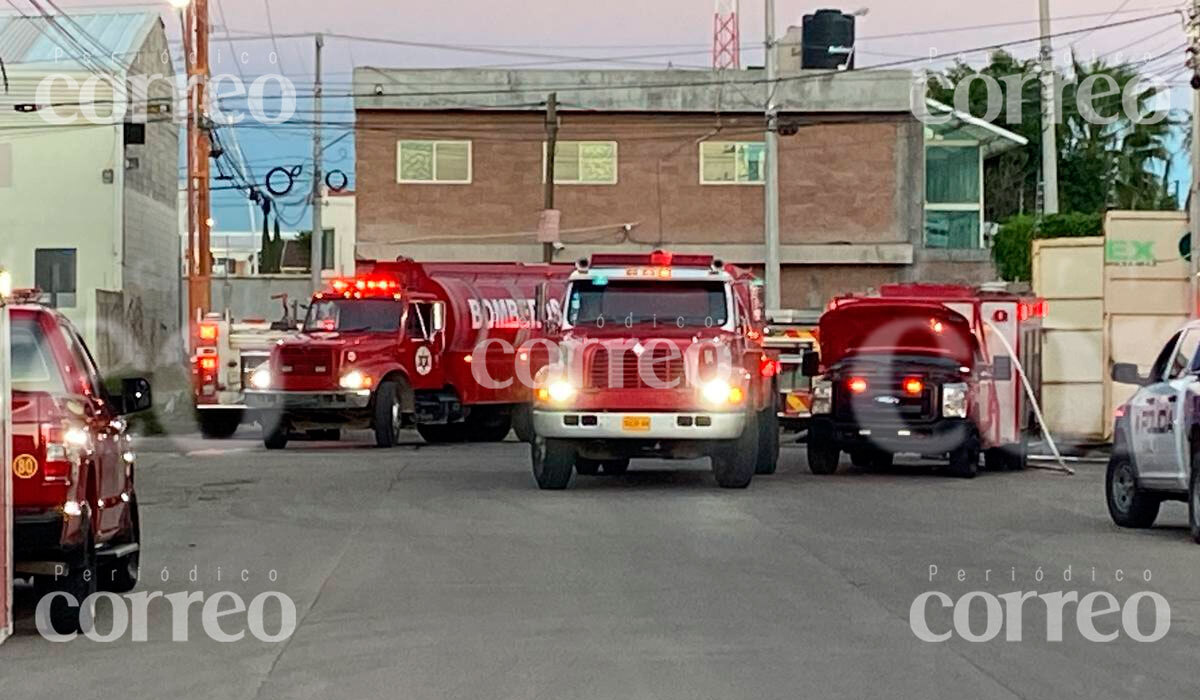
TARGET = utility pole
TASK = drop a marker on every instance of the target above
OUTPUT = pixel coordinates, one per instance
(1194, 199)
(551, 147)
(317, 259)
(1049, 116)
(199, 152)
(771, 215)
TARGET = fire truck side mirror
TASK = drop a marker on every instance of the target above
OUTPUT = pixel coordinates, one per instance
(1127, 373)
(439, 317)
(810, 363)
(544, 318)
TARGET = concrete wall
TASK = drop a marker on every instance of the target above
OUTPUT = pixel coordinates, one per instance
(250, 297)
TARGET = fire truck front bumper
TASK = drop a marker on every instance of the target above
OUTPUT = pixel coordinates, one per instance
(591, 425)
(270, 400)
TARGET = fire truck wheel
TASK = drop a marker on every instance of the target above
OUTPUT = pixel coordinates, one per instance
(80, 582)
(768, 442)
(615, 467)
(587, 467)
(734, 461)
(1194, 499)
(964, 460)
(219, 424)
(522, 422)
(121, 575)
(823, 458)
(1128, 505)
(388, 414)
(553, 463)
(276, 436)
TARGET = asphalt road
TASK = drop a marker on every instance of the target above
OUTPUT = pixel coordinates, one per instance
(442, 572)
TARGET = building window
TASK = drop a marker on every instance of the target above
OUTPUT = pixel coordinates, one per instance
(583, 163)
(728, 163)
(953, 195)
(446, 162)
(54, 274)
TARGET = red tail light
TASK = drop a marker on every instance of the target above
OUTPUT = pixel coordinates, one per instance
(913, 386)
(858, 385)
(768, 367)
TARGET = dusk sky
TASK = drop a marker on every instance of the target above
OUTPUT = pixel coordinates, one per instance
(640, 32)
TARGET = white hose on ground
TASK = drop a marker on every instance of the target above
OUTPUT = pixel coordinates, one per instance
(1037, 410)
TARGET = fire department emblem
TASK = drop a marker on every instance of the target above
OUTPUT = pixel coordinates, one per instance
(424, 361)
(25, 467)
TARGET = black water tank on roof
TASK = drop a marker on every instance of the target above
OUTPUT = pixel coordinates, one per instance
(825, 30)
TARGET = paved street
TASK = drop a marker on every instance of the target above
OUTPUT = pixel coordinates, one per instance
(442, 572)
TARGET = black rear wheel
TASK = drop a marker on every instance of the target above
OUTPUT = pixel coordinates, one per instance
(823, 457)
(1128, 505)
(275, 437)
(768, 439)
(73, 616)
(964, 460)
(218, 423)
(488, 424)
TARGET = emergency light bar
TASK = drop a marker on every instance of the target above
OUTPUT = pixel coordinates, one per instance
(365, 286)
(658, 258)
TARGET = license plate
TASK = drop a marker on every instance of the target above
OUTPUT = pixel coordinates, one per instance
(636, 424)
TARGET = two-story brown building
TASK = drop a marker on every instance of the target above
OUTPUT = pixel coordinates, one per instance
(451, 163)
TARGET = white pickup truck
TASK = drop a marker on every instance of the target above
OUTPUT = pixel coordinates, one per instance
(1156, 441)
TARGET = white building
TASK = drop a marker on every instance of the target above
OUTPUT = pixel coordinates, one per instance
(88, 209)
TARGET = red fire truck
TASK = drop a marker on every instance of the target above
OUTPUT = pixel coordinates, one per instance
(662, 356)
(440, 346)
(926, 369)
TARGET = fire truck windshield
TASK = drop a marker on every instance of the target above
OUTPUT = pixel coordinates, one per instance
(354, 316)
(680, 303)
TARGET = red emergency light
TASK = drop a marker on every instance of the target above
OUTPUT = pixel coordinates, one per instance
(913, 386)
(658, 258)
(1032, 309)
(371, 286)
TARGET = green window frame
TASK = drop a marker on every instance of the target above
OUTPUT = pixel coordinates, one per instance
(954, 195)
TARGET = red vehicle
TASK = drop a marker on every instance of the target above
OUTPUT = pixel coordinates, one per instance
(439, 346)
(75, 510)
(926, 369)
(661, 356)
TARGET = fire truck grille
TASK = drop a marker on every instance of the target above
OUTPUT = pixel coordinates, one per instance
(657, 371)
(305, 362)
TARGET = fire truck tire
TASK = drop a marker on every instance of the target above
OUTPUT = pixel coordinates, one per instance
(219, 424)
(615, 467)
(121, 575)
(964, 460)
(1194, 499)
(734, 461)
(823, 458)
(587, 467)
(80, 582)
(768, 441)
(553, 463)
(1128, 505)
(522, 422)
(276, 436)
(388, 414)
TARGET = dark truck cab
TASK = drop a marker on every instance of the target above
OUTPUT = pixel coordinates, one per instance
(897, 377)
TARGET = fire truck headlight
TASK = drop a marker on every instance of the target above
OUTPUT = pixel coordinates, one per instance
(954, 401)
(719, 392)
(557, 391)
(355, 380)
(822, 396)
(261, 379)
